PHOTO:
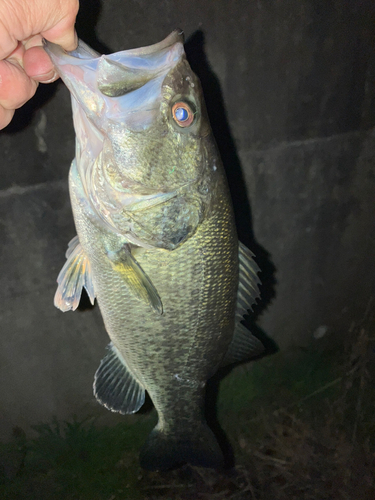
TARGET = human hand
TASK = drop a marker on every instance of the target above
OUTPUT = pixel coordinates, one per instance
(23, 61)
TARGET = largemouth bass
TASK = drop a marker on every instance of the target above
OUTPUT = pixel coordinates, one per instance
(156, 241)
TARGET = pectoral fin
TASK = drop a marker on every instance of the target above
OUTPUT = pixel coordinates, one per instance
(139, 283)
(244, 344)
(115, 387)
(75, 275)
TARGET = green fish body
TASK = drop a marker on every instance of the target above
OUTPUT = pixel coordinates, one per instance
(156, 242)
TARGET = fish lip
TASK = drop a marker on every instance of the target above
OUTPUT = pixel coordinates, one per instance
(176, 36)
(83, 51)
(135, 66)
(120, 86)
(74, 57)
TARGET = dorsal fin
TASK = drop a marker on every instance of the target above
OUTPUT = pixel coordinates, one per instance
(248, 282)
(75, 275)
(244, 344)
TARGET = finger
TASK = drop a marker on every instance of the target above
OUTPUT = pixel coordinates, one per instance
(6, 116)
(8, 42)
(68, 40)
(33, 41)
(15, 86)
(21, 20)
(17, 55)
(63, 33)
(38, 65)
(36, 62)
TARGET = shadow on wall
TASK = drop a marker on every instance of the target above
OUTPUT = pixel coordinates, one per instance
(216, 111)
(194, 48)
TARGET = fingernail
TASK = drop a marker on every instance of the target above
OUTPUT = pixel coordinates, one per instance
(15, 62)
(46, 78)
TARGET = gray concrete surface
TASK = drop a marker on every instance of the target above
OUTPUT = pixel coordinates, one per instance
(290, 93)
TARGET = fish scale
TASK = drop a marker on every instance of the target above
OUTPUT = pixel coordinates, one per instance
(197, 310)
(157, 243)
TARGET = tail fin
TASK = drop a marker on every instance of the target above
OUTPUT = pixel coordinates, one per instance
(163, 451)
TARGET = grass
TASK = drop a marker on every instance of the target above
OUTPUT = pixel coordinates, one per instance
(301, 426)
(75, 460)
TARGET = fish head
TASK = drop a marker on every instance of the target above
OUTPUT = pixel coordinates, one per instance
(139, 118)
(155, 139)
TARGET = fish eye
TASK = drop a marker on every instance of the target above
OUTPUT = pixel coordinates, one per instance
(182, 114)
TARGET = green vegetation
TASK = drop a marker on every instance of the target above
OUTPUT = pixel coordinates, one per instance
(75, 460)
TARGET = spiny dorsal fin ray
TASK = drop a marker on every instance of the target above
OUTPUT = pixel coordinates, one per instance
(115, 387)
(248, 290)
(139, 283)
(244, 344)
(75, 275)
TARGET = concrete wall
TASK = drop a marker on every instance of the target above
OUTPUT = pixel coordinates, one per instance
(290, 92)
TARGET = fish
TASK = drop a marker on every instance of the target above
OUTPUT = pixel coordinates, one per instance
(156, 242)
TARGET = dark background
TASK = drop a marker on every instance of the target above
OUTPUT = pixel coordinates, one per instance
(289, 87)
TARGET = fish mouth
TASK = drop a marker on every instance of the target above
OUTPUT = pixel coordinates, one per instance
(122, 87)
(110, 95)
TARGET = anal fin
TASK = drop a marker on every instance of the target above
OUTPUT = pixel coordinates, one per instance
(244, 346)
(75, 275)
(115, 387)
